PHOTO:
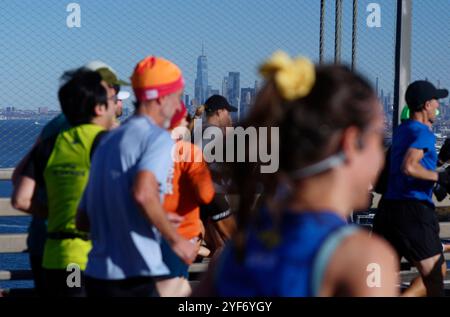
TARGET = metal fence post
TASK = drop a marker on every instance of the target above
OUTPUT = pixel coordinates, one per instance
(322, 30)
(402, 57)
(354, 32)
(338, 32)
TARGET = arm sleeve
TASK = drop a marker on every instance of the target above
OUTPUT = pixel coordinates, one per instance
(423, 141)
(200, 177)
(157, 159)
(29, 166)
(39, 157)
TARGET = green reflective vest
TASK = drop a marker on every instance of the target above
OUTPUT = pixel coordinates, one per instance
(66, 176)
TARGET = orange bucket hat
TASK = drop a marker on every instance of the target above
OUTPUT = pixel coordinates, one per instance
(155, 77)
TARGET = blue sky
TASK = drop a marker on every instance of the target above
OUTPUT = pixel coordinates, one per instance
(37, 46)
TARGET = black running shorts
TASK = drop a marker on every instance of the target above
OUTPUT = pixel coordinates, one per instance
(411, 227)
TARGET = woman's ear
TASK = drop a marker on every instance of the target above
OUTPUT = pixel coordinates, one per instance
(351, 142)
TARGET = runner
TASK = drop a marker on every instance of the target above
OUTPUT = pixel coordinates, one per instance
(298, 242)
(216, 216)
(61, 164)
(122, 203)
(37, 230)
(406, 216)
(191, 187)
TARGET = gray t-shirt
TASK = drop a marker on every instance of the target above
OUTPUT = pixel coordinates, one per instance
(124, 243)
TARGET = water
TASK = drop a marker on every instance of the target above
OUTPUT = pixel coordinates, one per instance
(16, 139)
(14, 261)
(5, 189)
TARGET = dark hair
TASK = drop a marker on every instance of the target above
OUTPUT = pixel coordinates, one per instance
(81, 92)
(416, 109)
(309, 131)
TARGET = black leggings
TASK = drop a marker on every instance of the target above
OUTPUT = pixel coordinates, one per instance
(131, 287)
(56, 285)
(38, 273)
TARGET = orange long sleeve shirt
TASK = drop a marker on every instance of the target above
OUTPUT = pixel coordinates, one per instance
(192, 186)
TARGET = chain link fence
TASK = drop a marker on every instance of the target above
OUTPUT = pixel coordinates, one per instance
(43, 39)
(429, 56)
(40, 40)
(368, 45)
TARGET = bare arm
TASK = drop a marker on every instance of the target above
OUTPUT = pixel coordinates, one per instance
(362, 266)
(23, 192)
(146, 195)
(206, 286)
(413, 168)
(23, 197)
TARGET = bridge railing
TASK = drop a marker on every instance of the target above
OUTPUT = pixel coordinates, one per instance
(16, 242)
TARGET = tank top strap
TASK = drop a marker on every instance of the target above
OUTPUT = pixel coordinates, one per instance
(324, 254)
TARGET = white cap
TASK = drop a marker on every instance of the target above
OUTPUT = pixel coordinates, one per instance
(107, 72)
(94, 65)
(123, 94)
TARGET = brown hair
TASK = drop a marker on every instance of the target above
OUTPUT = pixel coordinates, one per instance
(309, 131)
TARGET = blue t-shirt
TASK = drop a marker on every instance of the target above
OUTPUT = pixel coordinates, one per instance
(290, 265)
(411, 134)
(124, 243)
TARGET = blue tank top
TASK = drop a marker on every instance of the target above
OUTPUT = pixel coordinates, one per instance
(290, 263)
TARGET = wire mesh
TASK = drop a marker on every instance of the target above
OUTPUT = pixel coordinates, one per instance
(37, 46)
(235, 37)
(429, 56)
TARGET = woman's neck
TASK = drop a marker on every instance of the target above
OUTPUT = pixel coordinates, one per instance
(322, 193)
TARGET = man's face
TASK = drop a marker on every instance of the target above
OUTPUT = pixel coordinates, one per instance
(224, 118)
(119, 103)
(110, 111)
(431, 107)
(119, 108)
(369, 160)
(169, 105)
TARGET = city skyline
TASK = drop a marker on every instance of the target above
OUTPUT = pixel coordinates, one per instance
(201, 78)
(37, 46)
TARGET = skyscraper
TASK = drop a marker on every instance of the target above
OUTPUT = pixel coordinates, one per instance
(234, 92)
(214, 92)
(201, 81)
(256, 87)
(225, 87)
(187, 102)
(247, 97)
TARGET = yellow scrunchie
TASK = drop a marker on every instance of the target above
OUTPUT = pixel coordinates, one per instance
(294, 78)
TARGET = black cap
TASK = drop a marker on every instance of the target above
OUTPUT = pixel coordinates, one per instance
(217, 102)
(422, 91)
